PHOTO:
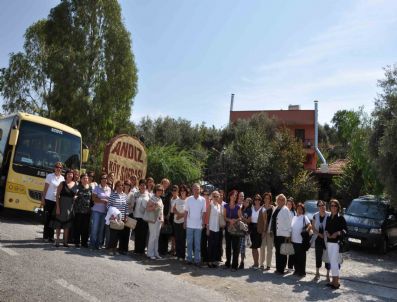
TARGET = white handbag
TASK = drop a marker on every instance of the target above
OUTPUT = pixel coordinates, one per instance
(287, 249)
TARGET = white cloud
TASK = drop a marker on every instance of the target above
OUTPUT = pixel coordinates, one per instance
(327, 67)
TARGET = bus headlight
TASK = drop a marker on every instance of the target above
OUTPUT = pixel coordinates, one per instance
(16, 188)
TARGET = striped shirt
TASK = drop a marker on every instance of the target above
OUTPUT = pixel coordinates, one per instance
(119, 201)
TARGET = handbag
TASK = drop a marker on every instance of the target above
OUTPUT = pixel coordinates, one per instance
(222, 221)
(344, 245)
(325, 258)
(116, 225)
(287, 249)
(166, 229)
(238, 229)
(130, 223)
(306, 237)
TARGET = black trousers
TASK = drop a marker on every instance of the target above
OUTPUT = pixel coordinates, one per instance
(300, 259)
(163, 243)
(232, 245)
(124, 239)
(81, 226)
(204, 245)
(48, 233)
(180, 240)
(291, 261)
(319, 248)
(220, 254)
(281, 260)
(213, 246)
(141, 232)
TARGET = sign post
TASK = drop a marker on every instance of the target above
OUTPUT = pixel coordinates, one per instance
(125, 156)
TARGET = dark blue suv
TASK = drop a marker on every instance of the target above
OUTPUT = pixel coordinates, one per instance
(371, 222)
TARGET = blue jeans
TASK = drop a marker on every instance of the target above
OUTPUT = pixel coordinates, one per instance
(97, 227)
(193, 236)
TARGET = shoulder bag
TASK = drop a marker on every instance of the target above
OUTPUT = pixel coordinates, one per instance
(130, 223)
(306, 237)
(222, 221)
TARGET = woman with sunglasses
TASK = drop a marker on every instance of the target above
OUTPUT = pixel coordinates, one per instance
(266, 233)
(299, 223)
(156, 207)
(140, 201)
(66, 193)
(100, 196)
(82, 210)
(256, 238)
(318, 239)
(118, 199)
(213, 229)
(48, 199)
(335, 229)
(232, 214)
(178, 209)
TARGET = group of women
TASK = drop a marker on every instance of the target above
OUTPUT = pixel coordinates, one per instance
(159, 210)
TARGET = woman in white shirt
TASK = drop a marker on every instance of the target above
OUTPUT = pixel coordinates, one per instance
(156, 207)
(256, 238)
(48, 199)
(178, 209)
(213, 229)
(299, 223)
(140, 202)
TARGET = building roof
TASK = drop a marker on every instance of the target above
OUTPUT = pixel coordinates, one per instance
(288, 117)
(334, 168)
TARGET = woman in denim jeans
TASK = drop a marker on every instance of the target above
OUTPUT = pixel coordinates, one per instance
(100, 197)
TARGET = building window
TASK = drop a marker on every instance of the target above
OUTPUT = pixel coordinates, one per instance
(300, 135)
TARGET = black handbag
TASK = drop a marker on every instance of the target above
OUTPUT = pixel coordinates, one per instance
(166, 229)
(344, 245)
(306, 237)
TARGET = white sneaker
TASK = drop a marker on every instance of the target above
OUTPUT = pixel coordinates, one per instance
(153, 258)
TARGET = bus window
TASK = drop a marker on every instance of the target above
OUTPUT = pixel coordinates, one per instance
(42, 146)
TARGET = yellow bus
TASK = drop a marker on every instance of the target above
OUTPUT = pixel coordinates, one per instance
(29, 148)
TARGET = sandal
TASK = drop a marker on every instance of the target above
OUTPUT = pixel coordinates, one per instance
(335, 286)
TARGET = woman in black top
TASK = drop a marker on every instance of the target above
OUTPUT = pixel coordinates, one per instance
(82, 210)
(335, 229)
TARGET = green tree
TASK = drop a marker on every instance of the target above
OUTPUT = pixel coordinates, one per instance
(180, 166)
(262, 157)
(384, 136)
(359, 176)
(77, 68)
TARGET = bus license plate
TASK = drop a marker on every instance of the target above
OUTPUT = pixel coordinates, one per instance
(354, 240)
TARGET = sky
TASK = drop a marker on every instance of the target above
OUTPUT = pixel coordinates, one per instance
(192, 55)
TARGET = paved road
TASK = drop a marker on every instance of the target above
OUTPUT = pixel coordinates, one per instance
(31, 270)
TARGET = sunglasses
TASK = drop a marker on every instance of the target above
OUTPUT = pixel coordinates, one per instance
(103, 178)
(58, 167)
(334, 206)
(321, 205)
(215, 196)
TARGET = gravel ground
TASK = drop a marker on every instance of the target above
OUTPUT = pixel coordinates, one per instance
(31, 270)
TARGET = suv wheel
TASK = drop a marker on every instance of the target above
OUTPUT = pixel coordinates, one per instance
(383, 247)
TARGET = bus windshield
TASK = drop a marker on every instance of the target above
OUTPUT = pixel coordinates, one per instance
(41, 146)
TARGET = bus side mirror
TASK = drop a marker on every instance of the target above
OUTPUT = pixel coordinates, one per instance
(14, 137)
(86, 152)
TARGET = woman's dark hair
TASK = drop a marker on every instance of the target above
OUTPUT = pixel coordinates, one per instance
(267, 194)
(291, 200)
(175, 187)
(257, 196)
(321, 201)
(119, 182)
(335, 201)
(142, 181)
(158, 187)
(249, 203)
(184, 188)
(301, 205)
(233, 192)
(83, 175)
(69, 171)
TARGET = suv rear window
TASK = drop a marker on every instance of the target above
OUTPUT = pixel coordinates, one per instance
(367, 209)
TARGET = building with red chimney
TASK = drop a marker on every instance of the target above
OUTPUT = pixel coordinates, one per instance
(301, 123)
